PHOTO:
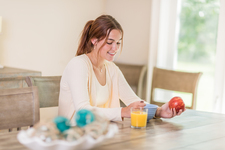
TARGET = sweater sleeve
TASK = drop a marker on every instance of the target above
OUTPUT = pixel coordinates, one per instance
(77, 79)
(126, 94)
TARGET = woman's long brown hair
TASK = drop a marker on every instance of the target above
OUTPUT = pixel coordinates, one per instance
(100, 29)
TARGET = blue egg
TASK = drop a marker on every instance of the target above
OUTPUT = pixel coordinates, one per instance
(62, 123)
(84, 117)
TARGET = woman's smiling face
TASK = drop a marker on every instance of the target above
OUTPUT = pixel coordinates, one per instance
(111, 47)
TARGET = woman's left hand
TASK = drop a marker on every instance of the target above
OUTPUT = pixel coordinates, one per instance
(165, 112)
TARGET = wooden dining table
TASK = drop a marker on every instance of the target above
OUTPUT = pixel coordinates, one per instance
(192, 130)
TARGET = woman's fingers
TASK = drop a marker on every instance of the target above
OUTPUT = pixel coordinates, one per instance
(181, 111)
(142, 104)
(137, 104)
(126, 110)
(174, 112)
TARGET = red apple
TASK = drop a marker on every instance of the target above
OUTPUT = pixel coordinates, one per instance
(177, 103)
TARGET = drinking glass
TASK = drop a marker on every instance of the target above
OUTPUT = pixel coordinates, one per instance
(139, 117)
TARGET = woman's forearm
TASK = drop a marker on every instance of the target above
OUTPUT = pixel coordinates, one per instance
(125, 113)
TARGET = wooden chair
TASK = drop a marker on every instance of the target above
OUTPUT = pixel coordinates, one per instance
(175, 81)
(19, 107)
(12, 82)
(136, 78)
(48, 89)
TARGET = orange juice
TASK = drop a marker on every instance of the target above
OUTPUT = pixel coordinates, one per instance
(138, 119)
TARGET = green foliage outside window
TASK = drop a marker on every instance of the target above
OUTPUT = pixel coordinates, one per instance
(198, 30)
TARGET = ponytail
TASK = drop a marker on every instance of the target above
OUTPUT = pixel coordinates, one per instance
(84, 45)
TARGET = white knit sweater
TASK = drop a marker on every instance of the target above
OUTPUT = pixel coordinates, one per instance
(78, 89)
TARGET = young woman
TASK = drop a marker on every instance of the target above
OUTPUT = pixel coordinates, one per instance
(91, 79)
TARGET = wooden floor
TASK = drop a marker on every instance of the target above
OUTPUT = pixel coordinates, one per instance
(193, 130)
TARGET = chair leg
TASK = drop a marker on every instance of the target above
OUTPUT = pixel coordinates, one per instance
(10, 130)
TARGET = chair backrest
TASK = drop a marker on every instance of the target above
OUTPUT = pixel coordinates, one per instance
(136, 77)
(19, 107)
(12, 82)
(48, 89)
(175, 81)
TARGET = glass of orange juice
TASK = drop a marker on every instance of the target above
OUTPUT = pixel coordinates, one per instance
(139, 117)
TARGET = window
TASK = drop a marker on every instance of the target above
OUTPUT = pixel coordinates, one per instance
(197, 45)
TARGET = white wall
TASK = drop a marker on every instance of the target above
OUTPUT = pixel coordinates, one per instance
(134, 16)
(43, 34)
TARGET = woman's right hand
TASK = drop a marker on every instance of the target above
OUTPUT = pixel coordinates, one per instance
(125, 112)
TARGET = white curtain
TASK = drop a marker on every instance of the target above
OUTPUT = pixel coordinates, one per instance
(163, 39)
(219, 94)
(0, 35)
(153, 44)
(168, 34)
